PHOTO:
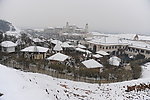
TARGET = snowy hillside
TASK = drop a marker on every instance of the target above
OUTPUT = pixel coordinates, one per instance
(18, 85)
(6, 26)
(9, 29)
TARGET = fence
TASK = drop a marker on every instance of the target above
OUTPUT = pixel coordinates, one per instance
(45, 70)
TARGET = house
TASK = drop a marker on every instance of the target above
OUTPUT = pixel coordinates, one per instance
(58, 57)
(56, 42)
(92, 64)
(57, 47)
(115, 61)
(8, 46)
(35, 52)
(67, 47)
(38, 41)
(81, 46)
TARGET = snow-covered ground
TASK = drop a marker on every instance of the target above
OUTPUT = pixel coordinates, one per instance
(18, 85)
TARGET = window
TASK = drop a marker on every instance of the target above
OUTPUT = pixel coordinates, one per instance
(147, 52)
(142, 51)
(5, 49)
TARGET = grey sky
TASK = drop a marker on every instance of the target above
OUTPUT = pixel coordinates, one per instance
(102, 15)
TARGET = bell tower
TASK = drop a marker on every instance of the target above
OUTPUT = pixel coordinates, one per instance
(86, 28)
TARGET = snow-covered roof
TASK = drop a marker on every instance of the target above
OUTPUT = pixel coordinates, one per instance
(109, 40)
(8, 44)
(82, 50)
(102, 53)
(81, 46)
(58, 57)
(35, 49)
(57, 47)
(92, 63)
(114, 61)
(97, 56)
(65, 33)
(13, 33)
(66, 45)
(56, 41)
(138, 44)
(37, 40)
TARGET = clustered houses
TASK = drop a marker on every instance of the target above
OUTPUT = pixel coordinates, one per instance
(101, 46)
(114, 45)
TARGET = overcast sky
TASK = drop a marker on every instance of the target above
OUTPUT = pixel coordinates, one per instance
(102, 15)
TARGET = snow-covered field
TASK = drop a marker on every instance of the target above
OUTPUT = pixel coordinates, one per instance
(18, 85)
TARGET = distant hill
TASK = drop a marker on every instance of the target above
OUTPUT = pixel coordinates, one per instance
(6, 26)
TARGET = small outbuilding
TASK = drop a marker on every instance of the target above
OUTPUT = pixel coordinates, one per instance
(92, 64)
(8, 46)
(57, 47)
(58, 57)
(115, 61)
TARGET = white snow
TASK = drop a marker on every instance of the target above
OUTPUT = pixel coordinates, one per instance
(35, 49)
(18, 85)
(91, 63)
(97, 56)
(107, 40)
(114, 61)
(146, 70)
(8, 44)
(102, 53)
(57, 47)
(56, 42)
(37, 40)
(81, 46)
(82, 50)
(58, 57)
(66, 45)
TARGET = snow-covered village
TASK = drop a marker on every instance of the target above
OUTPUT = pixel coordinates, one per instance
(67, 61)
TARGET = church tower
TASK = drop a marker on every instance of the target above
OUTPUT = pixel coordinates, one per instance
(86, 28)
(67, 27)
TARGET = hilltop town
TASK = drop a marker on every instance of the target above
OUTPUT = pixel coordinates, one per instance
(74, 53)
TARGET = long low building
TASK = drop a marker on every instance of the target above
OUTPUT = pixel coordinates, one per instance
(114, 45)
(108, 44)
(138, 47)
